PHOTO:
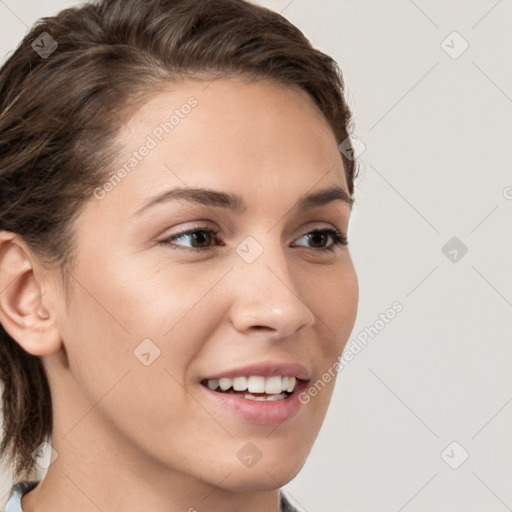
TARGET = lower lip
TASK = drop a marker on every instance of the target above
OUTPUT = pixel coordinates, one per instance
(259, 412)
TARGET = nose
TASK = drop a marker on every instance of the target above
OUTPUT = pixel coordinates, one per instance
(266, 297)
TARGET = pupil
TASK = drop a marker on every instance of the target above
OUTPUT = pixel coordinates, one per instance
(199, 235)
(315, 237)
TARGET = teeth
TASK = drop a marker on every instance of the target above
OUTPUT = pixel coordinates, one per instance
(225, 384)
(240, 383)
(213, 383)
(274, 386)
(275, 398)
(291, 384)
(269, 398)
(256, 398)
(256, 384)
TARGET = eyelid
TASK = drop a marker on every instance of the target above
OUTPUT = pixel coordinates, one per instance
(188, 231)
(339, 238)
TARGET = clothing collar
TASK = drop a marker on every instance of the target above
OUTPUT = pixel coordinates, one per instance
(19, 489)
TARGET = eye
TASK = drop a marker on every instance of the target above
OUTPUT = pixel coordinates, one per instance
(200, 238)
(321, 237)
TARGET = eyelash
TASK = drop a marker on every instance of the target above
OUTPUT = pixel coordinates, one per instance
(339, 239)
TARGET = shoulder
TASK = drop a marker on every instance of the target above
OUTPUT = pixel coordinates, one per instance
(17, 491)
(286, 506)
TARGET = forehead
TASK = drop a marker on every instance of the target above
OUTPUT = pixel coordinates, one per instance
(249, 137)
(227, 110)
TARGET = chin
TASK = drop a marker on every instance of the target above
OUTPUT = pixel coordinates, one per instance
(263, 477)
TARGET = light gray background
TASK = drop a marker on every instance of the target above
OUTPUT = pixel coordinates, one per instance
(437, 164)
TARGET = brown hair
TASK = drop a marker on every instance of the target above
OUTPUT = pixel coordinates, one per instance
(57, 134)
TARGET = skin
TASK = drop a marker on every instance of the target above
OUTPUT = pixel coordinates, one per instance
(136, 437)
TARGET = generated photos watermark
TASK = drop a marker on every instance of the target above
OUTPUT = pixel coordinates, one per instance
(357, 344)
(151, 142)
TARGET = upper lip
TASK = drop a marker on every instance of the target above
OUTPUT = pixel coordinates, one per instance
(264, 369)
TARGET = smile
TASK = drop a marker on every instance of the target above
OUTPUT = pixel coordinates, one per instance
(256, 399)
(254, 387)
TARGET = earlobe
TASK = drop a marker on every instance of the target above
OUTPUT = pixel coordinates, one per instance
(23, 313)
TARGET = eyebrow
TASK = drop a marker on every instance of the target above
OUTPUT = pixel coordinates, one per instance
(235, 202)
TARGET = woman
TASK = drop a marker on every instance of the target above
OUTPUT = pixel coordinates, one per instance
(174, 271)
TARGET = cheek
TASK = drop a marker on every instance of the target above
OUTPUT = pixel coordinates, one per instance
(103, 333)
(157, 302)
(346, 298)
(333, 297)
(117, 318)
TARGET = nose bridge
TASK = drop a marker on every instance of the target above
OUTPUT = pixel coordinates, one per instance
(266, 294)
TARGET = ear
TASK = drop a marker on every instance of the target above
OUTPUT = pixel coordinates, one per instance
(23, 312)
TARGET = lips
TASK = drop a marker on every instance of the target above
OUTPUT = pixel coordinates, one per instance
(261, 393)
(264, 369)
(253, 384)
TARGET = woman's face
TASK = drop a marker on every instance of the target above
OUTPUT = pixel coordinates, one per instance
(157, 315)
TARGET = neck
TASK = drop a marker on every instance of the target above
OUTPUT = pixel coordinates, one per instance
(100, 468)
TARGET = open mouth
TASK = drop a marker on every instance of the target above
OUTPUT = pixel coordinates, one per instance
(255, 387)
